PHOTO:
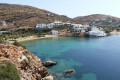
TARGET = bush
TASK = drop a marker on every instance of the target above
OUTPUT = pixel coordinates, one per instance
(2, 41)
(8, 71)
(118, 29)
(19, 44)
(3, 29)
(29, 59)
(107, 30)
(46, 30)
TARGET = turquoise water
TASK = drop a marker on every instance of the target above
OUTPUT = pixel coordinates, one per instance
(91, 58)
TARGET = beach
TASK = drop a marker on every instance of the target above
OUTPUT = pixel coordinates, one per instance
(114, 32)
(21, 39)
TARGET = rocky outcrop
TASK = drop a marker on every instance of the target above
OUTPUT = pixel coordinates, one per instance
(69, 72)
(49, 63)
(29, 66)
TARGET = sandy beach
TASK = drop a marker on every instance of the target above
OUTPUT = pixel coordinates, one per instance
(114, 32)
(21, 39)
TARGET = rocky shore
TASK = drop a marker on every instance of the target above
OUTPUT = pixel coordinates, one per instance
(29, 66)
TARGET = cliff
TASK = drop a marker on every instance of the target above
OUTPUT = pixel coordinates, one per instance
(29, 66)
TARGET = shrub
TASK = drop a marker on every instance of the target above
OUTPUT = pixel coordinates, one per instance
(29, 59)
(2, 41)
(19, 44)
(107, 30)
(46, 30)
(8, 71)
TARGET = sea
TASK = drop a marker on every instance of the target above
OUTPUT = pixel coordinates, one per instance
(90, 58)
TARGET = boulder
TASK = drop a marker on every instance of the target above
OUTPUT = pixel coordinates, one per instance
(69, 72)
(48, 78)
(49, 63)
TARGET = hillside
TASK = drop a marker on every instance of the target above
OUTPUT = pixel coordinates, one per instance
(27, 16)
(98, 19)
(12, 15)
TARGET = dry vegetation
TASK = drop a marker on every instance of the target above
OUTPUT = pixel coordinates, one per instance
(21, 15)
(91, 18)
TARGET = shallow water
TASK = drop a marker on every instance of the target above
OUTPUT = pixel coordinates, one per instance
(91, 58)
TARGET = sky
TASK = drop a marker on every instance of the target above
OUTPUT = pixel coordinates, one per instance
(73, 8)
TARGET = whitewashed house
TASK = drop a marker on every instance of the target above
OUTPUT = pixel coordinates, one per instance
(3, 23)
(82, 30)
(0, 32)
(79, 27)
(85, 27)
(41, 26)
(96, 32)
(58, 23)
(68, 24)
(50, 26)
(102, 19)
(54, 32)
(97, 20)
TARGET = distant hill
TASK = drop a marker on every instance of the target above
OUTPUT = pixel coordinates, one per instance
(12, 15)
(22, 15)
(98, 19)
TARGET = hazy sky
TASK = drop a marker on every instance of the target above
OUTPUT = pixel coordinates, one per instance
(73, 8)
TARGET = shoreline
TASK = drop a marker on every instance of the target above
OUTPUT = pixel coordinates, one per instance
(114, 32)
(22, 39)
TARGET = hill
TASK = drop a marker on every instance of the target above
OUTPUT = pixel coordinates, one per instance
(27, 16)
(98, 19)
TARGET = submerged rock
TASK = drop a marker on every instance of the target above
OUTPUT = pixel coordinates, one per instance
(49, 63)
(69, 72)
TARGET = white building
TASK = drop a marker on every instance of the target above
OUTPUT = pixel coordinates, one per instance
(54, 32)
(3, 24)
(0, 32)
(58, 23)
(102, 19)
(85, 27)
(82, 30)
(97, 20)
(68, 24)
(41, 26)
(79, 27)
(51, 25)
(96, 32)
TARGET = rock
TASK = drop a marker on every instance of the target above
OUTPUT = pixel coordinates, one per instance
(59, 74)
(22, 58)
(25, 64)
(69, 72)
(48, 78)
(29, 66)
(49, 63)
